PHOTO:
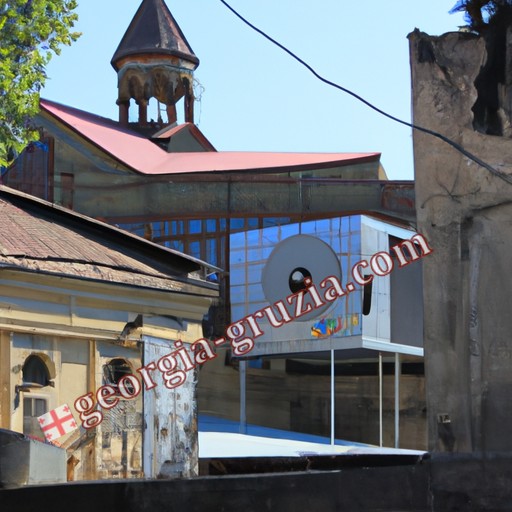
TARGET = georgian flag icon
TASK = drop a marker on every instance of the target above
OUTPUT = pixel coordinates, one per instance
(57, 423)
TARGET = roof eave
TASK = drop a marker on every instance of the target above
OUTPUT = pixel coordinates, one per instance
(136, 243)
(153, 51)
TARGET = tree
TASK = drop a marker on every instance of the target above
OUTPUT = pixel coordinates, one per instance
(492, 21)
(482, 15)
(31, 31)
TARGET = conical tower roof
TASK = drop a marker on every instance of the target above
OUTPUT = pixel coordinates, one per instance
(153, 30)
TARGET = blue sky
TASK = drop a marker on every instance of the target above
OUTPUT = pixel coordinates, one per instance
(255, 97)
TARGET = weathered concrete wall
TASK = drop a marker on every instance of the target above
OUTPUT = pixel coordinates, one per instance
(366, 486)
(465, 212)
(369, 489)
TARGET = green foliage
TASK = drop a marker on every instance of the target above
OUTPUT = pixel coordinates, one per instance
(31, 31)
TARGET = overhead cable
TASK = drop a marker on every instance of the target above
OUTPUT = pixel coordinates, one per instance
(453, 144)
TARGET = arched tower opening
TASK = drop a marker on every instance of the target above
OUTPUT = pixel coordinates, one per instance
(154, 60)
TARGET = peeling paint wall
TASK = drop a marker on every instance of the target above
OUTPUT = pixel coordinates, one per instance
(123, 443)
(152, 436)
(114, 449)
(465, 212)
(119, 436)
(170, 421)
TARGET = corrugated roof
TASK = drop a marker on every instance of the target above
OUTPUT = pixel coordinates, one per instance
(141, 155)
(38, 236)
(154, 30)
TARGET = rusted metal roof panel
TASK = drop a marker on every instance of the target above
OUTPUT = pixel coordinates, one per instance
(36, 236)
(98, 272)
(154, 30)
(143, 156)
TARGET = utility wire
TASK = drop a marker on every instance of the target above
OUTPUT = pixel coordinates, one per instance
(453, 144)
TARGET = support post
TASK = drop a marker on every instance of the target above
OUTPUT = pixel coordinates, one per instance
(333, 399)
(398, 371)
(90, 468)
(242, 370)
(143, 112)
(5, 380)
(124, 107)
(189, 101)
(172, 116)
(380, 401)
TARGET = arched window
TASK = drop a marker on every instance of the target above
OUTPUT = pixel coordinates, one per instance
(115, 370)
(36, 372)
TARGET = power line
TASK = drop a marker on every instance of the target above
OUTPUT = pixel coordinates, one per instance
(453, 144)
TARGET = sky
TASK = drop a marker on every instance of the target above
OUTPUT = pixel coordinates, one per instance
(253, 96)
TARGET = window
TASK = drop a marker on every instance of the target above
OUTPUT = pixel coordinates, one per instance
(367, 297)
(115, 370)
(211, 225)
(194, 249)
(252, 223)
(35, 372)
(195, 227)
(211, 250)
(236, 224)
(177, 227)
(33, 407)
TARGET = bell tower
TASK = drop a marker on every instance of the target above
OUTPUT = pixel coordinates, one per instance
(154, 60)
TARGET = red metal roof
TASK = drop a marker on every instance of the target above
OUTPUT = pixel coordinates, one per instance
(170, 131)
(143, 156)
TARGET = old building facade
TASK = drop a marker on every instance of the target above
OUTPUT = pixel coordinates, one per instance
(82, 306)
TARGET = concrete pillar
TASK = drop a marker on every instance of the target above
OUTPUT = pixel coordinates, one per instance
(143, 112)
(172, 117)
(189, 101)
(465, 213)
(124, 107)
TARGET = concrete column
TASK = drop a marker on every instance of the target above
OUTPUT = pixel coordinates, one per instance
(172, 117)
(124, 107)
(189, 101)
(143, 112)
(464, 211)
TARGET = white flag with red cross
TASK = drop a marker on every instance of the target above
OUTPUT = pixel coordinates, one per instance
(57, 423)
